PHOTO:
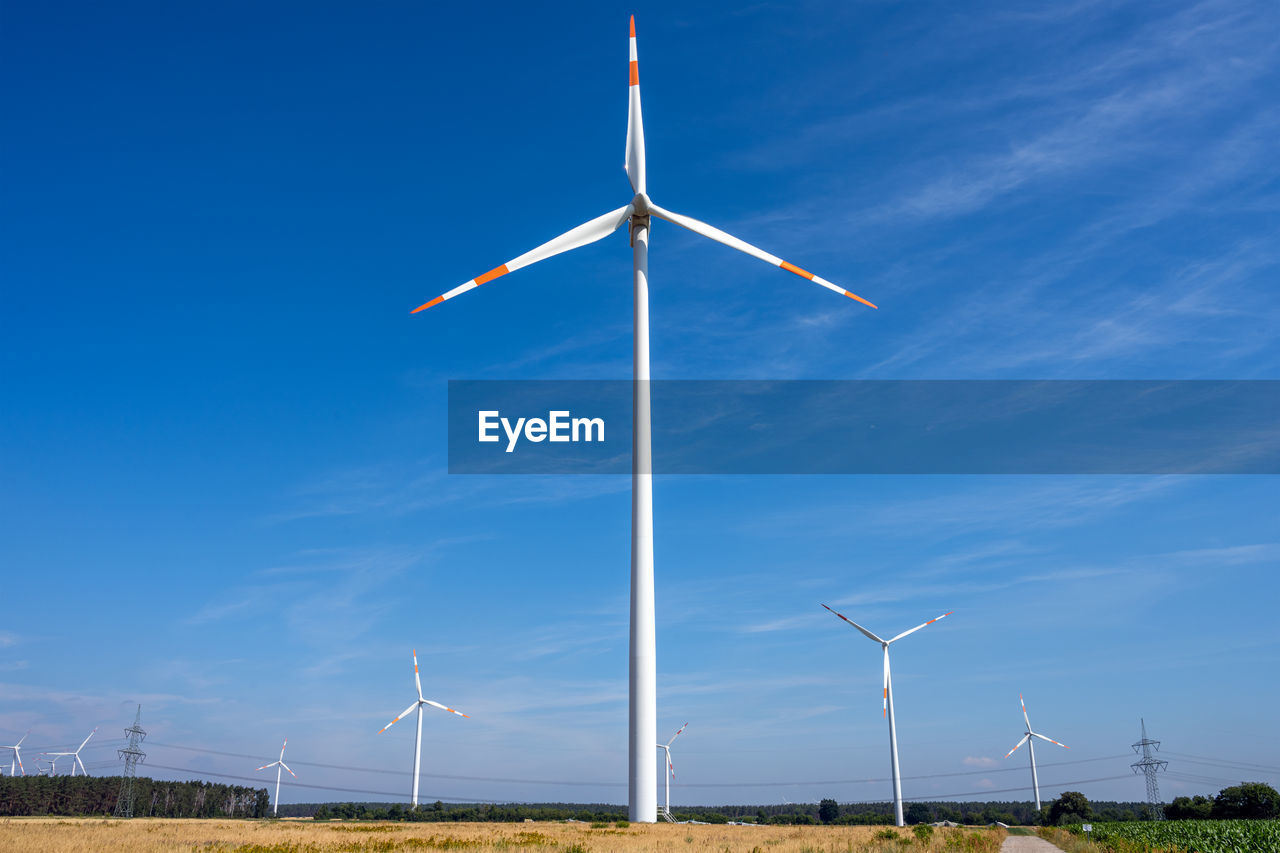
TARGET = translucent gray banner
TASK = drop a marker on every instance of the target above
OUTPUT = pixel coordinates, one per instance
(870, 427)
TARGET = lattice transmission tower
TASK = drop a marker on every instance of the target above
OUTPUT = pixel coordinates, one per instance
(130, 755)
(1150, 766)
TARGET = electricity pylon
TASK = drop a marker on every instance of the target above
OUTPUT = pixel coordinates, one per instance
(1150, 766)
(130, 755)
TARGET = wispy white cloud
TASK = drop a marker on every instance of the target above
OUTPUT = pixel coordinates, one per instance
(398, 489)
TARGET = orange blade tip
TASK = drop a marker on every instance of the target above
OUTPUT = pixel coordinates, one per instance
(633, 26)
(425, 305)
(859, 298)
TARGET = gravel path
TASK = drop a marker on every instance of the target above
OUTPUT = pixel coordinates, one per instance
(1028, 844)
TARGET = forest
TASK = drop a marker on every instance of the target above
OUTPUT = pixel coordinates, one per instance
(828, 811)
(82, 796)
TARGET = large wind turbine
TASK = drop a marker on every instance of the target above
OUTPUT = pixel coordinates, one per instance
(75, 755)
(417, 741)
(1031, 748)
(275, 808)
(888, 704)
(643, 712)
(17, 755)
(670, 771)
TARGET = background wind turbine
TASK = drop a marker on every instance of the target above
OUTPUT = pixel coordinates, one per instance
(275, 808)
(643, 708)
(417, 741)
(17, 755)
(75, 756)
(670, 772)
(888, 704)
(1031, 748)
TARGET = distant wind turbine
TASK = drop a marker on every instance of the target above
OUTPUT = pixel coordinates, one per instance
(643, 707)
(671, 772)
(278, 764)
(17, 755)
(75, 756)
(888, 704)
(417, 741)
(1031, 748)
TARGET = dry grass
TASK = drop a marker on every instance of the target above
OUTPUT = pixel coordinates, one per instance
(152, 835)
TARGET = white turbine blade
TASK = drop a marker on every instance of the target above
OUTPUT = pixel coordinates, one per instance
(671, 767)
(445, 708)
(1025, 738)
(18, 755)
(272, 764)
(1051, 740)
(716, 234)
(886, 680)
(417, 680)
(1023, 703)
(866, 633)
(635, 123)
(282, 746)
(588, 232)
(86, 740)
(677, 734)
(918, 627)
(86, 772)
(398, 718)
(286, 767)
(21, 739)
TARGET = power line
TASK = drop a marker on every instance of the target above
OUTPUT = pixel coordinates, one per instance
(317, 787)
(602, 784)
(986, 791)
(1222, 762)
(889, 779)
(930, 797)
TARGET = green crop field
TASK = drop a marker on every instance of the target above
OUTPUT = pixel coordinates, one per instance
(1189, 836)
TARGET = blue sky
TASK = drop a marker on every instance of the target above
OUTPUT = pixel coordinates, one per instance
(224, 482)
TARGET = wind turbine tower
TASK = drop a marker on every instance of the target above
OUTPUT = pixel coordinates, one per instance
(1150, 766)
(16, 759)
(669, 773)
(642, 779)
(417, 741)
(888, 705)
(1031, 749)
(278, 765)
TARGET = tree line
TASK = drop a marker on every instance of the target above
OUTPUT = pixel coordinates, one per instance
(827, 811)
(1246, 801)
(84, 796)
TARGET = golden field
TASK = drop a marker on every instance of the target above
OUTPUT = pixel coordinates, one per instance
(152, 835)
